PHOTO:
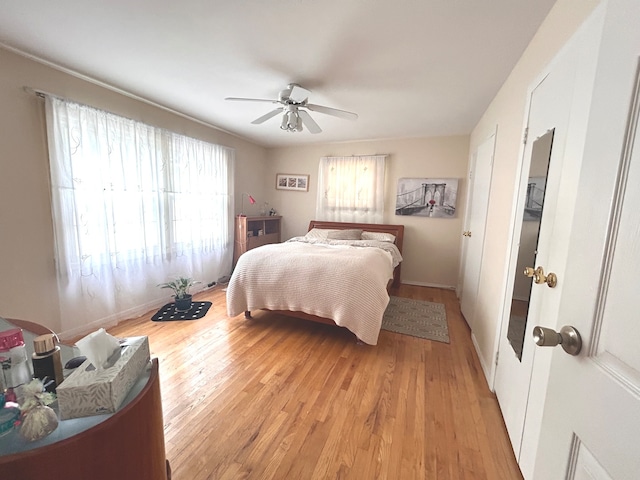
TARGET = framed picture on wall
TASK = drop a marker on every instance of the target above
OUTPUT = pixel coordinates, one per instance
(534, 199)
(290, 181)
(427, 197)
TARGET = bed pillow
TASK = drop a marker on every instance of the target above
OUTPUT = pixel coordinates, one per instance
(352, 234)
(379, 236)
(319, 233)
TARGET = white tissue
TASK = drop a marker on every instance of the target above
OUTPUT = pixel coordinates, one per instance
(98, 347)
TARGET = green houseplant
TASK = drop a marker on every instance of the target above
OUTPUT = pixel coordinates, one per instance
(180, 287)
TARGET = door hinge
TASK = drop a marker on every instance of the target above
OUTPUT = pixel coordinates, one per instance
(497, 355)
(525, 136)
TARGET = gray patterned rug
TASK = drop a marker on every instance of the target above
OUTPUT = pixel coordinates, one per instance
(416, 318)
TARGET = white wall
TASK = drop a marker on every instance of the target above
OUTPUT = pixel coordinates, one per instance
(507, 110)
(431, 245)
(27, 272)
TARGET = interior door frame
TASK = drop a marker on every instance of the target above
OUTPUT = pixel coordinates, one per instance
(515, 221)
(521, 176)
(518, 202)
(586, 38)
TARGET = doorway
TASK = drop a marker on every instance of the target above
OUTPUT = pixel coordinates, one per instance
(475, 222)
(557, 119)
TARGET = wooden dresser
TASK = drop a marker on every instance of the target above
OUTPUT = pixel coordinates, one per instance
(251, 232)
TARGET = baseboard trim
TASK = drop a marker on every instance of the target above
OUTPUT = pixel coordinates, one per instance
(112, 320)
(426, 284)
(485, 368)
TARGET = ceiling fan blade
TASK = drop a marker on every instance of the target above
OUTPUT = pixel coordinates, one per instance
(267, 116)
(298, 94)
(332, 111)
(237, 99)
(309, 122)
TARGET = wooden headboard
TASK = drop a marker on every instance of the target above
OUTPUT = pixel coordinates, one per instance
(396, 230)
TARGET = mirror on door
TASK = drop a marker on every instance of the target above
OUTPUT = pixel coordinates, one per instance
(529, 232)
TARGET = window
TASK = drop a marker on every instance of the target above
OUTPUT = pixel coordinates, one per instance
(133, 205)
(351, 189)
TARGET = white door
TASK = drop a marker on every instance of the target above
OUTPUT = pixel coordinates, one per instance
(473, 239)
(559, 103)
(591, 422)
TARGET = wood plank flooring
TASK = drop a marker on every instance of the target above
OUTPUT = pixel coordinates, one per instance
(280, 398)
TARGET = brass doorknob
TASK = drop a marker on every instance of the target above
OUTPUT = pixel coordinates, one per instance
(539, 277)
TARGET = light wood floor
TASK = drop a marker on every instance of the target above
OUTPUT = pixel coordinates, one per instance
(280, 398)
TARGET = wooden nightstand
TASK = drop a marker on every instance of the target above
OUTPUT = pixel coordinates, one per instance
(251, 232)
(125, 445)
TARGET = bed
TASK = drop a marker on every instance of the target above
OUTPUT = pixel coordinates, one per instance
(333, 275)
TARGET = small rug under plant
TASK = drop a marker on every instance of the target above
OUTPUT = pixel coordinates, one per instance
(417, 318)
(169, 312)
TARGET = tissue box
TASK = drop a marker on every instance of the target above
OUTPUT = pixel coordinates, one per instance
(88, 391)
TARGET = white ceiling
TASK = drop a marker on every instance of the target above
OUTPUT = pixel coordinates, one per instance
(408, 68)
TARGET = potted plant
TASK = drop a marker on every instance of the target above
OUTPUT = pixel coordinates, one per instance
(181, 287)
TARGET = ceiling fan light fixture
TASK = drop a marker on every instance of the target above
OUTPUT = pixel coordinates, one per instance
(291, 121)
(294, 120)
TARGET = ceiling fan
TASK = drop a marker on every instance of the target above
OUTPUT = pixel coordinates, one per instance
(293, 106)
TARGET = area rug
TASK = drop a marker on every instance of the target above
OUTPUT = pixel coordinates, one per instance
(416, 318)
(169, 312)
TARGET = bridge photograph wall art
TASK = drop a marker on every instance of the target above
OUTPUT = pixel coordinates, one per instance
(535, 199)
(427, 197)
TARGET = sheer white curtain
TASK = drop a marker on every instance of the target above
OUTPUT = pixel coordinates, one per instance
(351, 189)
(133, 206)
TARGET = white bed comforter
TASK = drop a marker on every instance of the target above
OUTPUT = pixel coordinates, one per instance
(341, 280)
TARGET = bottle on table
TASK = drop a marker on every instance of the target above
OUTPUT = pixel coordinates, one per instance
(47, 364)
